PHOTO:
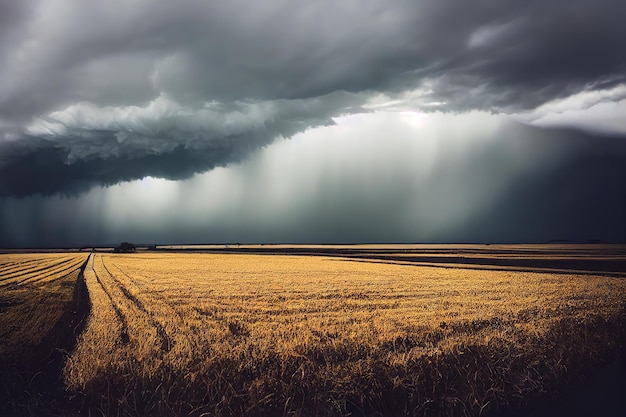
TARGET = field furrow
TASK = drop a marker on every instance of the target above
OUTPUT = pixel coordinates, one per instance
(16, 276)
(69, 265)
(28, 312)
(7, 266)
(165, 341)
(163, 315)
(143, 335)
(170, 321)
(123, 337)
(105, 335)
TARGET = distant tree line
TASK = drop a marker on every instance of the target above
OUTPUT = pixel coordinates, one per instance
(125, 247)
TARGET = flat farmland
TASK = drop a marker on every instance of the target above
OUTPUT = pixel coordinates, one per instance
(34, 291)
(43, 302)
(399, 330)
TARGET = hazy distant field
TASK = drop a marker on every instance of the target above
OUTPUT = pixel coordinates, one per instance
(365, 331)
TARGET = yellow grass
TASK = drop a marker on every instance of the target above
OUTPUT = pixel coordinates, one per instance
(257, 335)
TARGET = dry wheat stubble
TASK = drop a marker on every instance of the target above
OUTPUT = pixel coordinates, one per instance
(255, 333)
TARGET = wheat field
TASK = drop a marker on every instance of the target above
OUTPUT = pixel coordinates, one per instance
(244, 334)
(34, 292)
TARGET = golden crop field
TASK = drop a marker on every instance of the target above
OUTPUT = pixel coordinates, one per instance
(34, 291)
(40, 314)
(249, 334)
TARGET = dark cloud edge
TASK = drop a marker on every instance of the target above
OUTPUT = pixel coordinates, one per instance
(39, 167)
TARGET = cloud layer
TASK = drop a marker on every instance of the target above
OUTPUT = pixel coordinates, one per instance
(98, 92)
(383, 177)
(70, 151)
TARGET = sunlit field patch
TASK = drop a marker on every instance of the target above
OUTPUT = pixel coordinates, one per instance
(240, 334)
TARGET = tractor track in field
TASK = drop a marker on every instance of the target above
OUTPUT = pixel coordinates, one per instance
(165, 341)
(124, 337)
(161, 299)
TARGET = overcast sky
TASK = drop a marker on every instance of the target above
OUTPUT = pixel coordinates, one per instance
(316, 121)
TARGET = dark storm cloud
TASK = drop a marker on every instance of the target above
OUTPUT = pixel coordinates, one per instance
(45, 170)
(162, 140)
(444, 178)
(277, 49)
(64, 64)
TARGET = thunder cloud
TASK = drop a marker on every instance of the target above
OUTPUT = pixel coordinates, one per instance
(98, 94)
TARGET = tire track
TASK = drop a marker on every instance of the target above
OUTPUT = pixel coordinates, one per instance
(124, 337)
(166, 342)
(163, 303)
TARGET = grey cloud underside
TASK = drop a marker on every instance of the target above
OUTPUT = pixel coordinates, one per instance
(519, 54)
(494, 55)
(45, 170)
(505, 182)
(162, 140)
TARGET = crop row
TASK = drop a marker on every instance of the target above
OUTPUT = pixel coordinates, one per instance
(36, 291)
(37, 269)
